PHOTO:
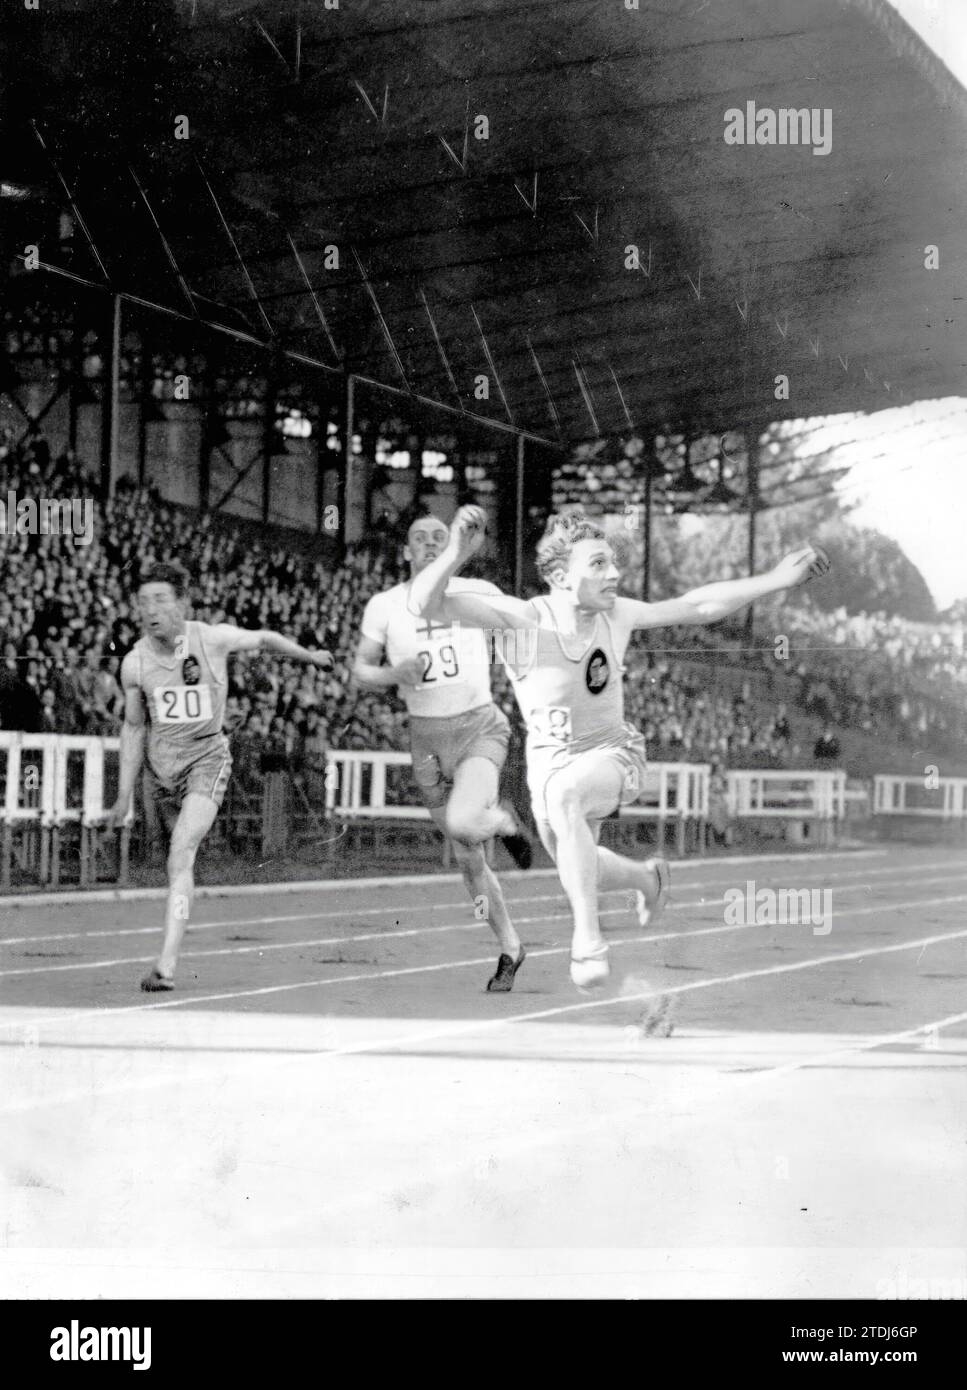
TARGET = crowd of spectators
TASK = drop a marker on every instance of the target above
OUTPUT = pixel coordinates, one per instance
(893, 680)
(67, 616)
(882, 675)
(684, 720)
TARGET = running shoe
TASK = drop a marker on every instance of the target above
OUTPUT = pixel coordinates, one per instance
(592, 971)
(503, 981)
(155, 983)
(518, 842)
(649, 907)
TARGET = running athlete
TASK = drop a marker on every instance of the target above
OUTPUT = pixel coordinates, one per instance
(177, 675)
(458, 735)
(583, 760)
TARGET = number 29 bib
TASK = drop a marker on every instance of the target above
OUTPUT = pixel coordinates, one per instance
(441, 658)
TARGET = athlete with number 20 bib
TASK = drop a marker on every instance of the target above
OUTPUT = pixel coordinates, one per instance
(175, 683)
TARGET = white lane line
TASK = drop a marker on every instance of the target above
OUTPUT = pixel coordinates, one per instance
(70, 897)
(407, 1042)
(679, 866)
(396, 933)
(885, 872)
(862, 1045)
(288, 987)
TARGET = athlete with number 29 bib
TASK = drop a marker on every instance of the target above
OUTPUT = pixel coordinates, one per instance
(458, 736)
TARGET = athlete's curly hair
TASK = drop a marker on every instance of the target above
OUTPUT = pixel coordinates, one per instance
(561, 534)
(167, 572)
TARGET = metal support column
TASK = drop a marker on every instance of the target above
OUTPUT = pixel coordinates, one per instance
(110, 400)
(145, 383)
(269, 438)
(646, 558)
(519, 521)
(322, 421)
(76, 380)
(211, 418)
(752, 502)
(205, 468)
(343, 492)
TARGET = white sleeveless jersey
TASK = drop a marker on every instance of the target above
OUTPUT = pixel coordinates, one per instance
(455, 658)
(185, 695)
(571, 692)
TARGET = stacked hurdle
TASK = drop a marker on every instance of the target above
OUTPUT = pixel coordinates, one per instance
(42, 799)
(52, 783)
(920, 808)
(676, 795)
(810, 804)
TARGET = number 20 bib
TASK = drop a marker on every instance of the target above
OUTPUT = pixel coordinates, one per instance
(182, 704)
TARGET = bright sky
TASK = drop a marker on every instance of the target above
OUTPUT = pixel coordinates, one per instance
(909, 477)
(942, 24)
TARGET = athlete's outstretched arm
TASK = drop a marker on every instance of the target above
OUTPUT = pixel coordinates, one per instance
(132, 742)
(241, 639)
(712, 602)
(428, 596)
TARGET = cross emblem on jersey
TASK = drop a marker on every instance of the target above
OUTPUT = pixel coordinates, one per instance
(429, 626)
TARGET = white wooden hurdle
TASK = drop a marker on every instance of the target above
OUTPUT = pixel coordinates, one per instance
(778, 792)
(896, 795)
(46, 806)
(28, 805)
(88, 814)
(356, 791)
(800, 797)
(356, 786)
(38, 809)
(676, 793)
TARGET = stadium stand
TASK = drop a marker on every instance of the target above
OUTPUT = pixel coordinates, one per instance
(67, 617)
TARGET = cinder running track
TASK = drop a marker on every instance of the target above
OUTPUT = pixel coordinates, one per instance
(331, 1105)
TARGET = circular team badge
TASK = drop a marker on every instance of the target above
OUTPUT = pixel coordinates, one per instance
(597, 673)
(190, 671)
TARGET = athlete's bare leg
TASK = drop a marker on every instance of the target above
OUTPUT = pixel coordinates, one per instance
(470, 818)
(472, 810)
(577, 799)
(614, 870)
(617, 871)
(195, 819)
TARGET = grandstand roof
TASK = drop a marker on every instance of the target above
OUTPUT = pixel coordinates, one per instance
(356, 127)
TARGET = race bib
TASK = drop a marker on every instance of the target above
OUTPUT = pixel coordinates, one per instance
(551, 724)
(181, 704)
(442, 660)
